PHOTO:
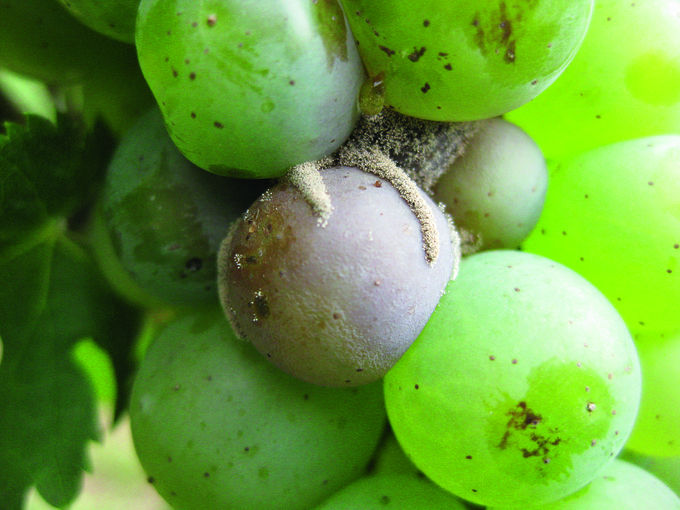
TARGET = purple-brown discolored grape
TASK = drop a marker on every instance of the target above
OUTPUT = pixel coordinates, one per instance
(338, 304)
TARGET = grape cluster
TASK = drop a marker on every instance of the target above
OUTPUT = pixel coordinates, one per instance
(343, 211)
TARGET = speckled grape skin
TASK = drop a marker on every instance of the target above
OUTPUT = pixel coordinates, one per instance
(657, 428)
(453, 60)
(216, 426)
(164, 219)
(497, 188)
(621, 486)
(624, 83)
(613, 215)
(401, 492)
(113, 18)
(522, 386)
(249, 88)
(334, 305)
(40, 39)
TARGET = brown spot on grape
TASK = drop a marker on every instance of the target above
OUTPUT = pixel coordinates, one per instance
(192, 76)
(387, 50)
(218, 125)
(448, 67)
(425, 88)
(492, 358)
(416, 54)
(211, 20)
(426, 23)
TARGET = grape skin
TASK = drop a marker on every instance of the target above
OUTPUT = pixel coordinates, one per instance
(497, 188)
(216, 426)
(335, 304)
(522, 386)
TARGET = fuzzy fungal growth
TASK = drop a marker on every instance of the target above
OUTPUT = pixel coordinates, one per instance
(335, 303)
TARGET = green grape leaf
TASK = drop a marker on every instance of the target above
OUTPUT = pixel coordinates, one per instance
(47, 171)
(52, 296)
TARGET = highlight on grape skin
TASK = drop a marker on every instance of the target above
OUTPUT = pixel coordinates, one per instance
(538, 360)
(497, 188)
(336, 304)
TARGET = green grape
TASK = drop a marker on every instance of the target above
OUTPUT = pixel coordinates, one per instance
(390, 459)
(613, 215)
(522, 386)
(163, 219)
(216, 426)
(114, 18)
(496, 189)
(249, 88)
(624, 83)
(453, 60)
(41, 40)
(401, 492)
(657, 428)
(621, 486)
(666, 469)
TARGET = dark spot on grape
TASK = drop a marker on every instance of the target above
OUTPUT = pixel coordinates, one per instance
(564, 233)
(593, 442)
(211, 20)
(676, 246)
(194, 264)
(151, 480)
(336, 316)
(360, 369)
(193, 115)
(206, 475)
(590, 407)
(492, 358)
(269, 354)
(669, 271)
(650, 183)
(426, 23)
(448, 67)
(474, 490)
(534, 82)
(416, 54)
(305, 396)
(246, 449)
(425, 88)
(192, 76)
(251, 259)
(469, 457)
(416, 386)
(598, 116)
(385, 500)
(377, 184)
(516, 289)
(387, 50)
(261, 306)
(546, 460)
(176, 387)
(169, 459)
(174, 72)
(514, 361)
(291, 82)
(218, 125)
(348, 381)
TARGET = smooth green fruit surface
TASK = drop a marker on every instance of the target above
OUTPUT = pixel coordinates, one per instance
(216, 426)
(455, 60)
(114, 18)
(250, 88)
(521, 388)
(666, 469)
(657, 428)
(392, 491)
(621, 486)
(624, 82)
(613, 215)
